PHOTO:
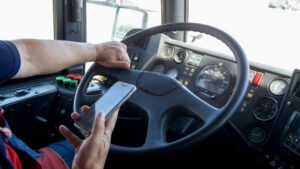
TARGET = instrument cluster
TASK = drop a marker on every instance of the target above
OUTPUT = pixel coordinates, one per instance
(205, 75)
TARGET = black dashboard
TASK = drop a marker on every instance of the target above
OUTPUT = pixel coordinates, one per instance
(268, 118)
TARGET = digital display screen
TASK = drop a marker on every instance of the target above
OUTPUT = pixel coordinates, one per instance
(194, 60)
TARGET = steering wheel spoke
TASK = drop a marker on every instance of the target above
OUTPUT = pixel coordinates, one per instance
(196, 106)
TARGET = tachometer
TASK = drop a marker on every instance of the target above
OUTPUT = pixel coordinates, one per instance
(214, 78)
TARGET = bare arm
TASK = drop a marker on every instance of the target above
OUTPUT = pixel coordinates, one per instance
(49, 56)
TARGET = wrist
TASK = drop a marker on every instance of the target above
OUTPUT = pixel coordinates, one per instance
(98, 49)
(86, 52)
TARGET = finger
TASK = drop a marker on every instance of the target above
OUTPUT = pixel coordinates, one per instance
(110, 123)
(75, 116)
(123, 45)
(71, 137)
(120, 64)
(124, 56)
(118, 43)
(98, 127)
(84, 108)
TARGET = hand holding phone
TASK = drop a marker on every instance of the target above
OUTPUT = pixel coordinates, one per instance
(108, 103)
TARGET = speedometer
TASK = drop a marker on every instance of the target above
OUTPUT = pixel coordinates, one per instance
(214, 78)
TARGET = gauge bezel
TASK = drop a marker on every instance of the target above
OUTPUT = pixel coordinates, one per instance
(176, 57)
(230, 76)
(273, 81)
(168, 56)
(269, 118)
(253, 138)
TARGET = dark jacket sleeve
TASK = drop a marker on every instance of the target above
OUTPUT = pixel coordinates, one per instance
(9, 60)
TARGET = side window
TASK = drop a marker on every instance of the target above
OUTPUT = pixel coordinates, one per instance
(26, 19)
(110, 20)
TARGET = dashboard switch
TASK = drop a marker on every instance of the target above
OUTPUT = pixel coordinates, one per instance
(257, 79)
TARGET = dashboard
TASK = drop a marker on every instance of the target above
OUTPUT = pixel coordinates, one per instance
(262, 120)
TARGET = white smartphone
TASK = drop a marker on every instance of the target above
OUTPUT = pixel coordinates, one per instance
(108, 103)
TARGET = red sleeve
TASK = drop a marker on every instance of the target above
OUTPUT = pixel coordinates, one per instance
(13, 157)
(50, 160)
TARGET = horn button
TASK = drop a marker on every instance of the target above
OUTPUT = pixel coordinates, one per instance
(156, 83)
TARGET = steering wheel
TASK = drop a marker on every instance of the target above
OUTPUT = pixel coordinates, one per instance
(153, 97)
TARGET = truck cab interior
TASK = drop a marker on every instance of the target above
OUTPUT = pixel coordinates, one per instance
(218, 83)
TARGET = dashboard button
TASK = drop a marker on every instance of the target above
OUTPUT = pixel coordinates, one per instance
(257, 79)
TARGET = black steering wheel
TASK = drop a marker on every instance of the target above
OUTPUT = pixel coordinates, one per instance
(154, 90)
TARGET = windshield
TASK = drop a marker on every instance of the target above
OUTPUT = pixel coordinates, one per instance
(267, 30)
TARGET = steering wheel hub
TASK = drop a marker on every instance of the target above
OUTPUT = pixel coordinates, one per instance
(156, 84)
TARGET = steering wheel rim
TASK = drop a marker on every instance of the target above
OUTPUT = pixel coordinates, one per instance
(213, 118)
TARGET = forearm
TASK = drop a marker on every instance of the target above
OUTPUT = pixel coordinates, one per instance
(49, 56)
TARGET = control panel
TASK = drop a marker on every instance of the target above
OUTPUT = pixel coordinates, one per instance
(10, 97)
(292, 138)
(70, 80)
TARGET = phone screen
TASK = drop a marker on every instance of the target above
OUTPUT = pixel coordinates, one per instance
(108, 103)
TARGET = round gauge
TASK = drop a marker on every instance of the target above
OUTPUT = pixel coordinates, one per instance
(278, 87)
(214, 78)
(172, 72)
(158, 68)
(181, 56)
(168, 52)
(257, 135)
(265, 109)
